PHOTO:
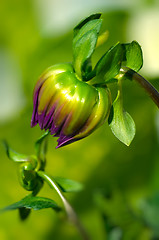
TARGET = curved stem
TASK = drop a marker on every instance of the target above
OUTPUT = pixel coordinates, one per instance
(72, 216)
(120, 92)
(151, 90)
(41, 148)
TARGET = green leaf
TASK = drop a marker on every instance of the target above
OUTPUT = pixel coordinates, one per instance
(121, 123)
(67, 185)
(109, 65)
(14, 156)
(83, 50)
(133, 57)
(84, 42)
(89, 26)
(41, 146)
(35, 203)
(86, 20)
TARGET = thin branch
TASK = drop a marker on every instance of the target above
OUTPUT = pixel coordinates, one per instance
(149, 88)
(72, 216)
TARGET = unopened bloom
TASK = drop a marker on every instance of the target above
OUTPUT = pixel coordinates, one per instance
(68, 107)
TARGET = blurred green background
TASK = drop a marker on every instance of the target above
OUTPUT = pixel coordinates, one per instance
(120, 199)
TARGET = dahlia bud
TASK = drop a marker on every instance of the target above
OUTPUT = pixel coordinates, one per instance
(68, 107)
(28, 177)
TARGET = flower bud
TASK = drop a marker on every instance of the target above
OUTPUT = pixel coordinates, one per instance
(68, 107)
(28, 177)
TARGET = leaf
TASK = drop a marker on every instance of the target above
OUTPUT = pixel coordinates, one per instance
(67, 185)
(86, 20)
(35, 203)
(83, 50)
(41, 146)
(109, 65)
(121, 123)
(89, 26)
(133, 57)
(14, 156)
(84, 43)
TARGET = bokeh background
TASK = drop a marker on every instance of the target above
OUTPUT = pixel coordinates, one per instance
(121, 195)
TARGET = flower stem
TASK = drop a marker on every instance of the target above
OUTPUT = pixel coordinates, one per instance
(151, 90)
(72, 216)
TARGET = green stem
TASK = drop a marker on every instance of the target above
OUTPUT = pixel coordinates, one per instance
(153, 93)
(41, 148)
(120, 92)
(72, 216)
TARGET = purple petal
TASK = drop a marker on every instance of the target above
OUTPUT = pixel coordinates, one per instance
(54, 129)
(41, 119)
(65, 140)
(34, 119)
(49, 118)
